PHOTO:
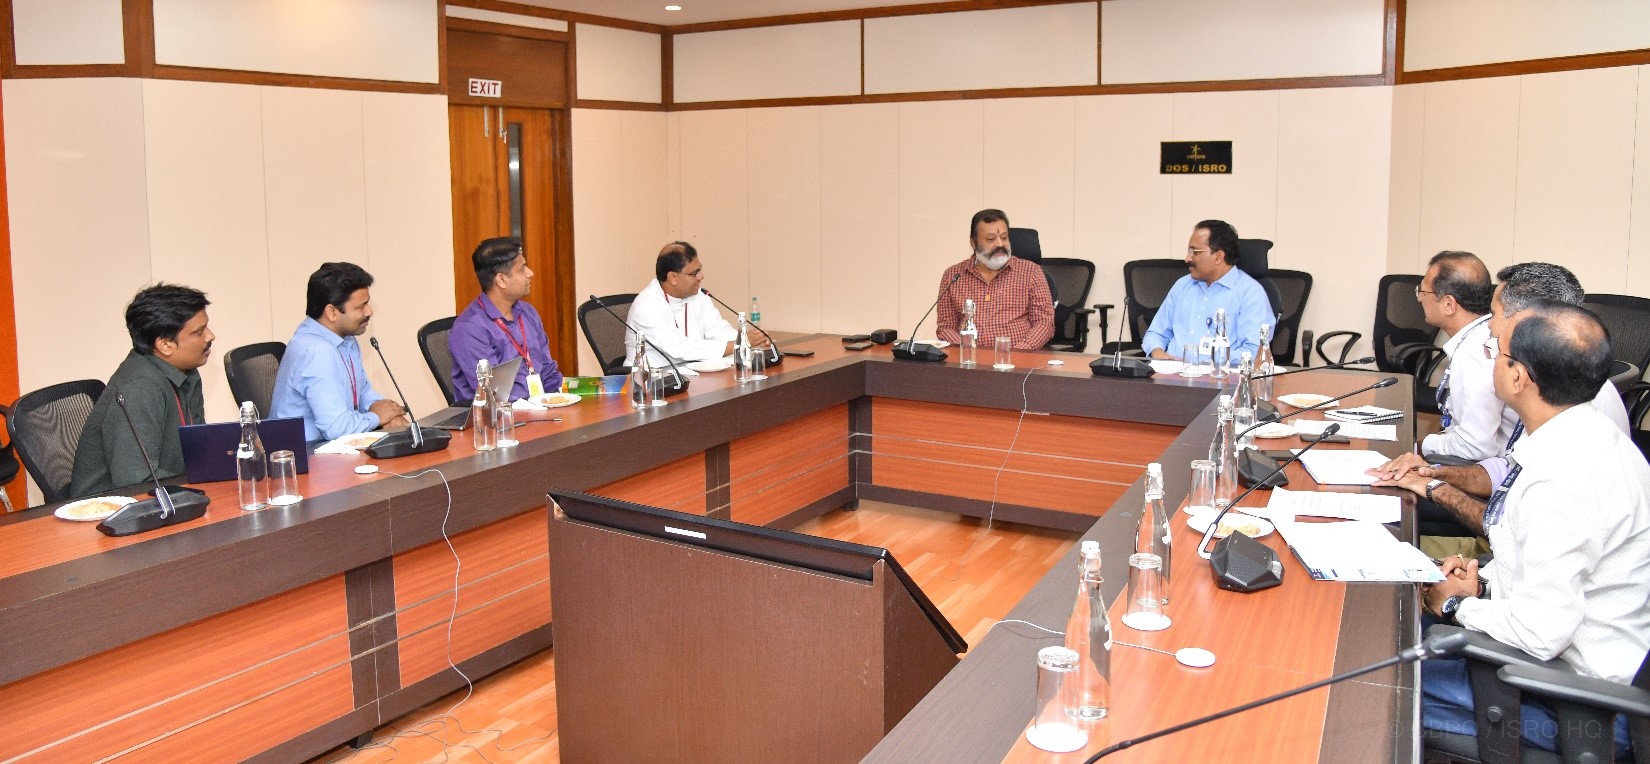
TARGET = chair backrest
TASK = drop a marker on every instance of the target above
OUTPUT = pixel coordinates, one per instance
(1399, 320)
(251, 370)
(1146, 284)
(1628, 319)
(1288, 291)
(1024, 242)
(45, 428)
(432, 341)
(1072, 280)
(606, 333)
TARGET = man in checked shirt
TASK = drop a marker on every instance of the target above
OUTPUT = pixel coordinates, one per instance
(1010, 294)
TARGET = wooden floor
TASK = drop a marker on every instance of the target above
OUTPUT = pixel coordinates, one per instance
(974, 576)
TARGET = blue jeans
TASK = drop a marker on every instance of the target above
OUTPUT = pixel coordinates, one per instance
(1446, 705)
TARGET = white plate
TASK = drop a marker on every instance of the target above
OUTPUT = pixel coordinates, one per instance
(94, 509)
(1304, 400)
(1274, 430)
(710, 366)
(935, 343)
(1168, 367)
(1250, 526)
(556, 400)
(360, 440)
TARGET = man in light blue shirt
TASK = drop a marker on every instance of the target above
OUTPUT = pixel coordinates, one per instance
(1188, 313)
(321, 377)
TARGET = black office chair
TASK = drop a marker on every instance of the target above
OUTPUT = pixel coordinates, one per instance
(1145, 285)
(1628, 319)
(10, 467)
(251, 370)
(1637, 400)
(1286, 290)
(1025, 244)
(605, 333)
(1584, 708)
(1071, 320)
(45, 428)
(1401, 329)
(432, 341)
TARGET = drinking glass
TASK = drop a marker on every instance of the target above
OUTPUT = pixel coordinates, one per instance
(1051, 730)
(283, 479)
(1243, 419)
(1005, 354)
(1190, 355)
(758, 365)
(1202, 496)
(504, 423)
(1145, 611)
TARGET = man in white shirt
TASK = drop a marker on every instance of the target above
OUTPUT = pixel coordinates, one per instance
(675, 316)
(1455, 295)
(1569, 525)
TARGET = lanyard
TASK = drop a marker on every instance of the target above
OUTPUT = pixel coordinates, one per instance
(1442, 397)
(521, 347)
(684, 325)
(354, 393)
(1498, 500)
(1518, 431)
(181, 418)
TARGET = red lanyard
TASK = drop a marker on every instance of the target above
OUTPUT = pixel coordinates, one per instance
(181, 418)
(354, 393)
(520, 347)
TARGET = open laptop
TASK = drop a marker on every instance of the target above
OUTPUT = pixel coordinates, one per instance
(458, 417)
(209, 449)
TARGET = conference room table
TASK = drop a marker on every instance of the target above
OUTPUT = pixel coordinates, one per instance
(276, 635)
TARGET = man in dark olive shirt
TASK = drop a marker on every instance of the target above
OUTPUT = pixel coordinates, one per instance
(162, 387)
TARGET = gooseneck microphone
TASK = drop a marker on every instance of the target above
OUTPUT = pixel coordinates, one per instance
(170, 506)
(774, 356)
(411, 440)
(1117, 365)
(1432, 647)
(1387, 382)
(676, 386)
(1341, 365)
(928, 353)
(1240, 563)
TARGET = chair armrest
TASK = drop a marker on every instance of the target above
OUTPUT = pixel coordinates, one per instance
(1103, 306)
(1569, 686)
(1483, 647)
(1346, 349)
(1082, 311)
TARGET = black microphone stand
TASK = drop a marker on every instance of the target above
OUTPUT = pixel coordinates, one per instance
(170, 505)
(680, 383)
(774, 356)
(928, 353)
(1341, 365)
(411, 440)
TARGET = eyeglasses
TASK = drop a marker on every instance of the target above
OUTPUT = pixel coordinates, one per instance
(1419, 291)
(1194, 252)
(693, 274)
(1492, 348)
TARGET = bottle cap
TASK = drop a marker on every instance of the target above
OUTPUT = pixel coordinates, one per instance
(1090, 547)
(1155, 470)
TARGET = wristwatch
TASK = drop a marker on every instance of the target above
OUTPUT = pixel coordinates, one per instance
(1447, 610)
(1431, 484)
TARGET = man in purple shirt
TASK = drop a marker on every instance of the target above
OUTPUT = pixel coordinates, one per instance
(499, 325)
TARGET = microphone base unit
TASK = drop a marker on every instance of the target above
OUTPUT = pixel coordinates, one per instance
(1127, 368)
(144, 516)
(1242, 564)
(399, 444)
(1256, 468)
(884, 336)
(919, 352)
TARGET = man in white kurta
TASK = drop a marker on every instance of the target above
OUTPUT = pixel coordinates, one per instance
(675, 316)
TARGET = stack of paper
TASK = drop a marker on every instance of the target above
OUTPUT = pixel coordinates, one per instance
(1365, 414)
(1286, 505)
(1341, 467)
(1349, 429)
(1356, 551)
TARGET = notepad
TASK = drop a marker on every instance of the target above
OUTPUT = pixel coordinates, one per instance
(1356, 551)
(1365, 414)
(1341, 467)
(1286, 505)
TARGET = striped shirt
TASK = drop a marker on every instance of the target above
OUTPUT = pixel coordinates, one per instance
(1016, 304)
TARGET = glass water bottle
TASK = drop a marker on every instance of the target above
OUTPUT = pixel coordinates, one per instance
(1154, 536)
(251, 468)
(1088, 633)
(484, 409)
(968, 344)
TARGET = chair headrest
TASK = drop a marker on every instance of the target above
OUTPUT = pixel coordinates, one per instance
(1253, 256)
(1023, 242)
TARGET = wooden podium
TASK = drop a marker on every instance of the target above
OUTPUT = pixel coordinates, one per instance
(670, 651)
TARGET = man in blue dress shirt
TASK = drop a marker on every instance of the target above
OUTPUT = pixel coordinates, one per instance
(322, 378)
(500, 325)
(1214, 282)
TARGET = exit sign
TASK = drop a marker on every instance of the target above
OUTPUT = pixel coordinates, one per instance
(486, 88)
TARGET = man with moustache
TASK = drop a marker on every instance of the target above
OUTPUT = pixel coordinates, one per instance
(1214, 282)
(161, 382)
(1010, 294)
(500, 325)
(321, 377)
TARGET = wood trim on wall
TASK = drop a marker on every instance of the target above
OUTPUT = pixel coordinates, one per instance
(508, 30)
(1392, 55)
(594, 103)
(568, 16)
(8, 39)
(138, 22)
(953, 6)
(240, 77)
(667, 78)
(1533, 66)
(10, 385)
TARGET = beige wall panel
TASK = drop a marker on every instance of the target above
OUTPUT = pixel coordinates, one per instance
(1332, 215)
(1575, 183)
(1122, 202)
(982, 49)
(792, 61)
(409, 223)
(618, 64)
(941, 185)
(316, 189)
(68, 32)
(514, 19)
(78, 209)
(1030, 166)
(208, 225)
(786, 271)
(1445, 33)
(1159, 40)
(620, 207)
(1638, 258)
(382, 40)
(1247, 198)
(1404, 192)
(715, 196)
(1467, 181)
(859, 229)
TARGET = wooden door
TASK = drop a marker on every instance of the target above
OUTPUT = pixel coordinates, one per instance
(510, 170)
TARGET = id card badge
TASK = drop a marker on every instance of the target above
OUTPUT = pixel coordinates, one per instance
(535, 385)
(1206, 346)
